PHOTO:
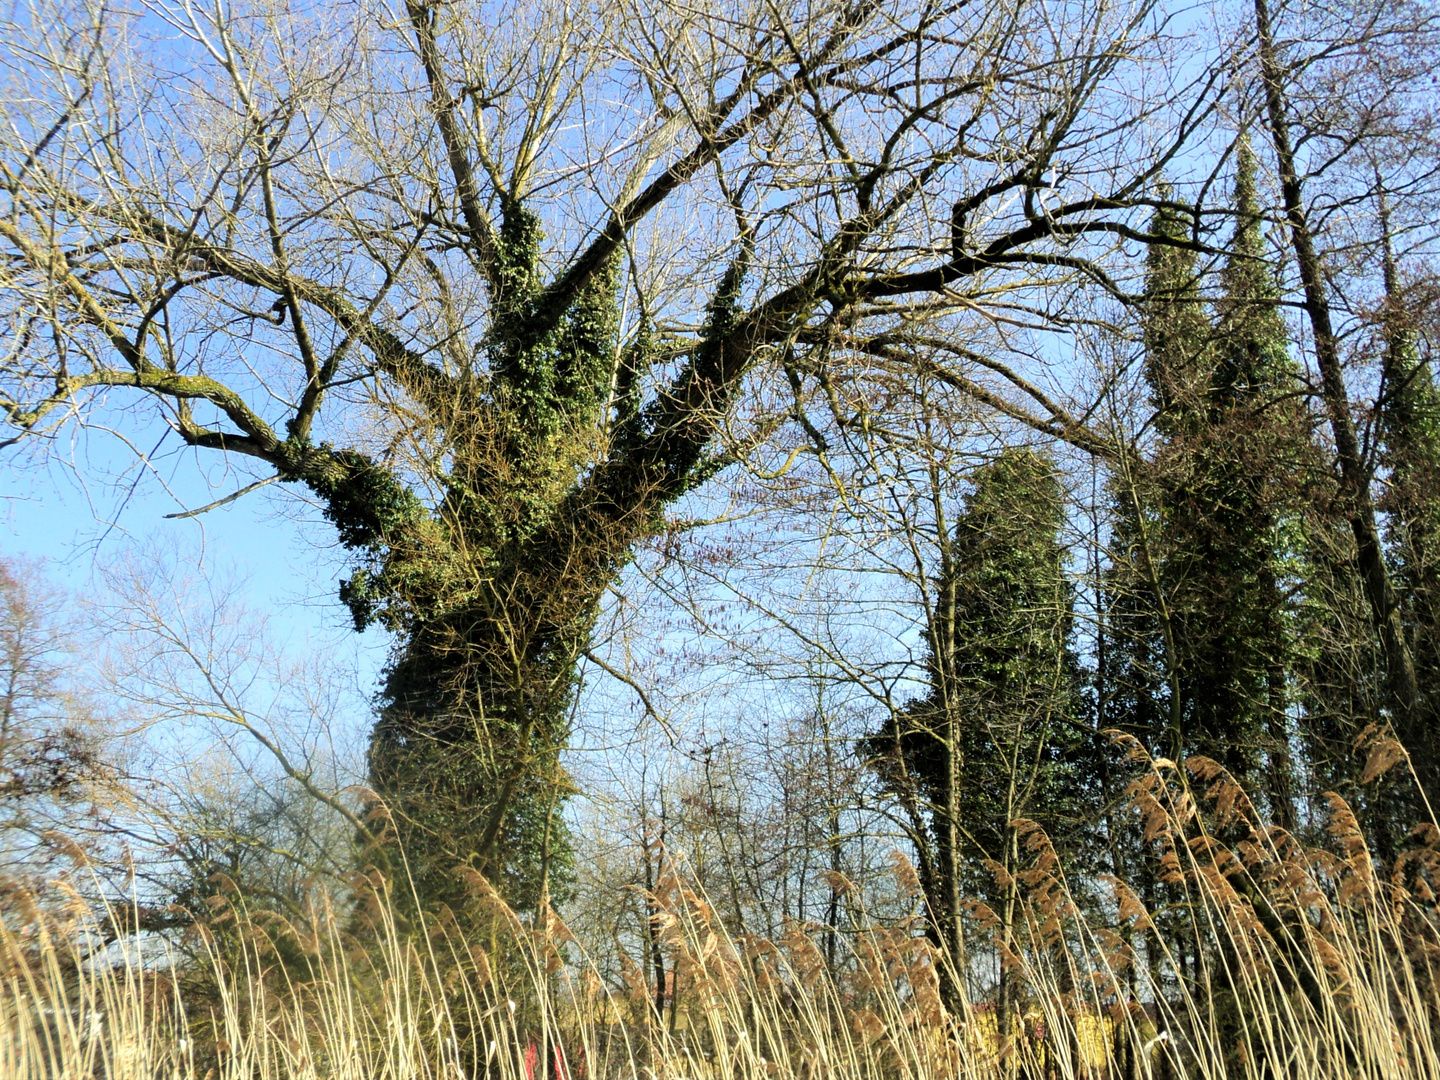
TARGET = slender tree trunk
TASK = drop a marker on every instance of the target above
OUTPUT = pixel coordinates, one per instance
(1005, 1006)
(955, 941)
(943, 645)
(652, 923)
(1354, 476)
(1278, 766)
(1277, 758)
(833, 843)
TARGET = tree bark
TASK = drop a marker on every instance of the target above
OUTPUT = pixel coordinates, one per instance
(1354, 475)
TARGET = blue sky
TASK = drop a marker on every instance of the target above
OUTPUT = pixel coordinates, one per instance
(79, 505)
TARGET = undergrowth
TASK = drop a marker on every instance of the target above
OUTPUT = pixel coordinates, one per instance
(1258, 956)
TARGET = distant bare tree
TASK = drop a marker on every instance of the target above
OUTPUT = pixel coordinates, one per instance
(52, 761)
(233, 761)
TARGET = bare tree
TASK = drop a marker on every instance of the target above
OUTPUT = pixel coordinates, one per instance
(54, 770)
(493, 284)
(1351, 96)
(234, 753)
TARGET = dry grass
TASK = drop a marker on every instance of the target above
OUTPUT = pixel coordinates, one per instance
(1271, 960)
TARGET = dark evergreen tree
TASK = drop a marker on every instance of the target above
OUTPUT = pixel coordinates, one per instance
(1409, 428)
(1196, 583)
(1134, 693)
(1178, 335)
(996, 735)
(1142, 696)
(1264, 459)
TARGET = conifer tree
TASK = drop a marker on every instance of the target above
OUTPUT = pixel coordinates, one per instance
(1409, 427)
(1259, 413)
(995, 736)
(1143, 693)
(1135, 694)
(1143, 697)
(1196, 581)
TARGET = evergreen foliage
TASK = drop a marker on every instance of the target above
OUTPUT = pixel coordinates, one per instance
(1201, 527)
(1409, 428)
(995, 737)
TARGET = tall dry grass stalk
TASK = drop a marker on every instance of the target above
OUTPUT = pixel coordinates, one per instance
(1270, 959)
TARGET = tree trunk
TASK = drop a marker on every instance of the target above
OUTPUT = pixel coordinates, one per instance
(465, 752)
(1354, 475)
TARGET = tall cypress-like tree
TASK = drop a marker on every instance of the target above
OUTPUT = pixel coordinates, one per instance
(1409, 424)
(995, 736)
(1259, 413)
(1143, 692)
(1197, 574)
(1143, 696)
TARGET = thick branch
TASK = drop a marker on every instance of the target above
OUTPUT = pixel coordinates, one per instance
(457, 149)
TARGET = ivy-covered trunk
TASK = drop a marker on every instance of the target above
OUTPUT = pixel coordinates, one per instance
(466, 750)
(493, 593)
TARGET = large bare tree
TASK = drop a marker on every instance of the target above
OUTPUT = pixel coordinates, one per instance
(492, 282)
